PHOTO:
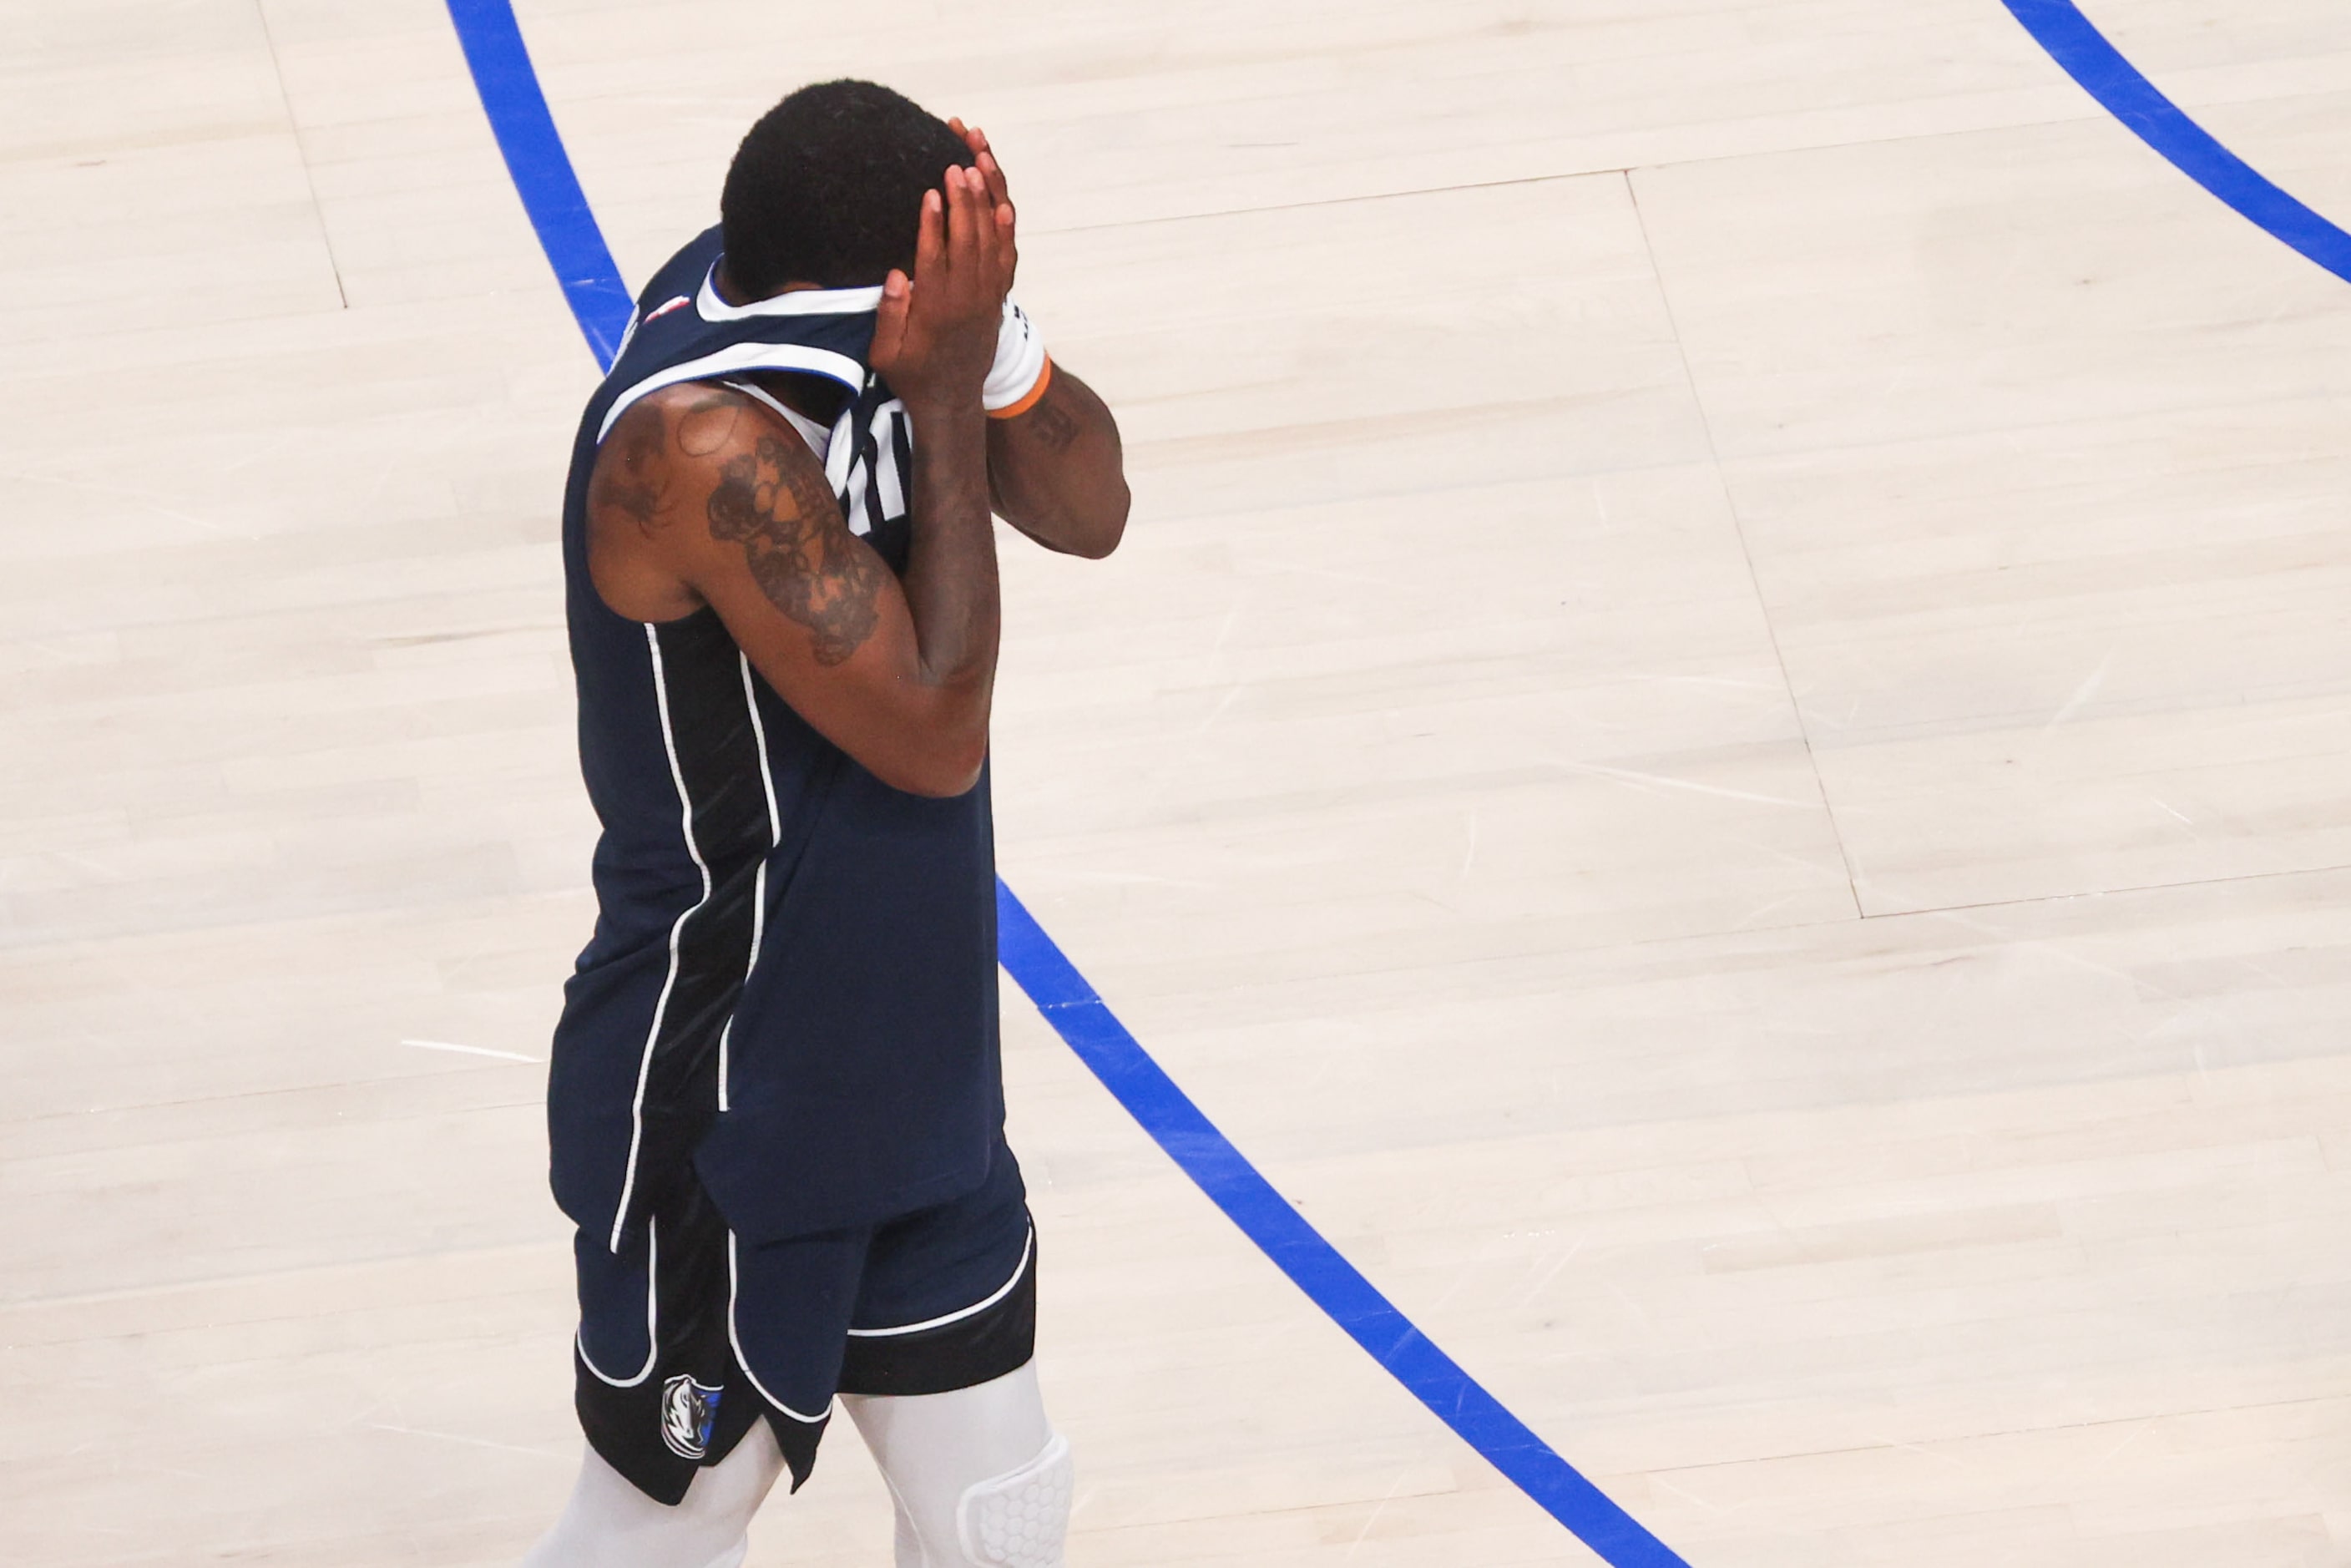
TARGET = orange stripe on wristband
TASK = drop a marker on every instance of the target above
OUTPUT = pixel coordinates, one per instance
(1029, 399)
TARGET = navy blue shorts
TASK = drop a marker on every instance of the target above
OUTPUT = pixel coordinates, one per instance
(691, 1334)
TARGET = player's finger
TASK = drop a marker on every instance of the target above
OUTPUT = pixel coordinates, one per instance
(963, 229)
(986, 248)
(1008, 245)
(890, 321)
(930, 239)
(999, 191)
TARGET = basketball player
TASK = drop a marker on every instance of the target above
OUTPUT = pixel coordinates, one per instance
(776, 1105)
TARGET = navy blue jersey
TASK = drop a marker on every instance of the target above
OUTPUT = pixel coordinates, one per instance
(791, 989)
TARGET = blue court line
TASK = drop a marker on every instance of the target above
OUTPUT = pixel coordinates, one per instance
(2076, 43)
(542, 172)
(575, 248)
(1299, 1250)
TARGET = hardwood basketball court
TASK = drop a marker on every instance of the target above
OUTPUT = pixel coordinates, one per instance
(1721, 743)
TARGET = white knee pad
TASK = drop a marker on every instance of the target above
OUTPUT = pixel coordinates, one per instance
(1020, 1521)
(980, 1476)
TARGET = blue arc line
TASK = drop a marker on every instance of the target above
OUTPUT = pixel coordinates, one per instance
(542, 172)
(2076, 43)
(1299, 1250)
(568, 232)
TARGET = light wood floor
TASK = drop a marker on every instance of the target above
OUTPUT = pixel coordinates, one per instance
(1723, 741)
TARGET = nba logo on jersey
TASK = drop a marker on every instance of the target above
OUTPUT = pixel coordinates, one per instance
(688, 1411)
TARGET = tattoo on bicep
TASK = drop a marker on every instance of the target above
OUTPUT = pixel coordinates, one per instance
(704, 428)
(633, 473)
(802, 556)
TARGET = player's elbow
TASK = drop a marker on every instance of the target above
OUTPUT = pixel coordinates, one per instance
(1099, 532)
(937, 771)
(1112, 527)
(940, 784)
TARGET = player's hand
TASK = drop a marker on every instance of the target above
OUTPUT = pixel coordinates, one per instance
(984, 156)
(935, 333)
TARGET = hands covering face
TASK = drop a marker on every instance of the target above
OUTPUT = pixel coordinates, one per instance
(934, 334)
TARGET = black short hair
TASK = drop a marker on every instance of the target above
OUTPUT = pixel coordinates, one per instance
(828, 187)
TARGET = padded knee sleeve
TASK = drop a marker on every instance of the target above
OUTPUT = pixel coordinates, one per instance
(979, 1477)
(1021, 1520)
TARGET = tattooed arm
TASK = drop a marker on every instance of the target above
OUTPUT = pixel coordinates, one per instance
(704, 497)
(1056, 473)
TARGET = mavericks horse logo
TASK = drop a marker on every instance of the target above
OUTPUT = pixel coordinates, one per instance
(688, 1411)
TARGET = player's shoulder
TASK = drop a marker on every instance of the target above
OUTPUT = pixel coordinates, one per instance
(702, 427)
(713, 452)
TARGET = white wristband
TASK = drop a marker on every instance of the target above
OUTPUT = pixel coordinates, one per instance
(1020, 361)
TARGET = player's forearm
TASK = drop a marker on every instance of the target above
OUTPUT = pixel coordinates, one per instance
(951, 585)
(1058, 472)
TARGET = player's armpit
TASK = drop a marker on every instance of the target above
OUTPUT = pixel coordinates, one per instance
(748, 525)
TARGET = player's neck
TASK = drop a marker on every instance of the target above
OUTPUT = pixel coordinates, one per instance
(729, 292)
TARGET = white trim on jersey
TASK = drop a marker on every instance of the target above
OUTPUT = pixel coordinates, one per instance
(886, 477)
(726, 1035)
(853, 510)
(799, 302)
(736, 1340)
(759, 879)
(841, 450)
(676, 930)
(1028, 1250)
(818, 436)
(733, 361)
(652, 1318)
